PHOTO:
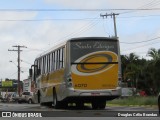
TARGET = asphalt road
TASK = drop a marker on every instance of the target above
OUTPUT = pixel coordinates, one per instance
(73, 111)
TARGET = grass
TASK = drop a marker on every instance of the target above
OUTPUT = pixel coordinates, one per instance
(134, 100)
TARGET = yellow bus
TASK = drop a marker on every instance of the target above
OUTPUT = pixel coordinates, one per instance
(80, 70)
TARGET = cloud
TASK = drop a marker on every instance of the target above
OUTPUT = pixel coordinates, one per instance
(98, 3)
(6, 16)
(37, 36)
(140, 49)
(10, 34)
(75, 3)
(43, 35)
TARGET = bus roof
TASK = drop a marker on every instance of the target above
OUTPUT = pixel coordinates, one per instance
(51, 49)
(94, 38)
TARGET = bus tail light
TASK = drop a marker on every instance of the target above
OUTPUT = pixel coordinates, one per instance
(69, 77)
(69, 80)
(69, 84)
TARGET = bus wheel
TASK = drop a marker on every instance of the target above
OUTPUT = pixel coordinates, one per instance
(38, 97)
(80, 105)
(102, 105)
(41, 103)
(159, 105)
(94, 105)
(55, 102)
(30, 101)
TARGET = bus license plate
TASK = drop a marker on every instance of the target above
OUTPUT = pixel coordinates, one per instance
(95, 94)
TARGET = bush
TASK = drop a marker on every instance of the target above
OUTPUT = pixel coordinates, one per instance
(135, 101)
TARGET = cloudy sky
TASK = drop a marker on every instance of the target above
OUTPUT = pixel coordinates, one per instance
(41, 24)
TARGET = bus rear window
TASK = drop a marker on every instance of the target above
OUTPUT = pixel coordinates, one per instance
(84, 47)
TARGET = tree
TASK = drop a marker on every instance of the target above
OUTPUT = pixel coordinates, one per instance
(129, 68)
(142, 74)
(153, 67)
(154, 54)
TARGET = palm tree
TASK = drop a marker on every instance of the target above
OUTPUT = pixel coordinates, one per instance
(154, 54)
(154, 66)
(129, 67)
(132, 57)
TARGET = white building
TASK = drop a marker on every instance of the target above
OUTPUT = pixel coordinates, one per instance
(27, 85)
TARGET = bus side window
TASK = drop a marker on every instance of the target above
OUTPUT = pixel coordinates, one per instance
(40, 65)
(48, 63)
(60, 59)
(55, 60)
(50, 56)
(63, 57)
(45, 59)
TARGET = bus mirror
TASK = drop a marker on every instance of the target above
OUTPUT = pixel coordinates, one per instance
(30, 72)
(38, 71)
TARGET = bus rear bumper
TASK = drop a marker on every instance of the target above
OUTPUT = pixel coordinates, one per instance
(89, 95)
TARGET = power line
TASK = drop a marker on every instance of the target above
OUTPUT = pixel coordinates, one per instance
(70, 19)
(105, 28)
(82, 29)
(12, 74)
(148, 4)
(77, 10)
(90, 19)
(33, 49)
(26, 62)
(78, 32)
(145, 6)
(140, 41)
(153, 3)
(141, 16)
(114, 20)
(140, 46)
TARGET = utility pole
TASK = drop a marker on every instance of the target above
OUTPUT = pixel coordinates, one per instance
(114, 21)
(19, 68)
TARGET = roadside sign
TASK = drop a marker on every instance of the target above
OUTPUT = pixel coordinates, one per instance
(7, 83)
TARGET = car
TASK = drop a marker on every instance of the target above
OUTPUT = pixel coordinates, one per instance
(13, 97)
(159, 102)
(26, 97)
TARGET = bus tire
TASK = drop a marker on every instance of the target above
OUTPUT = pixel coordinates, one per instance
(80, 105)
(38, 97)
(159, 105)
(30, 101)
(19, 102)
(102, 105)
(95, 105)
(42, 104)
(55, 101)
(40, 101)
